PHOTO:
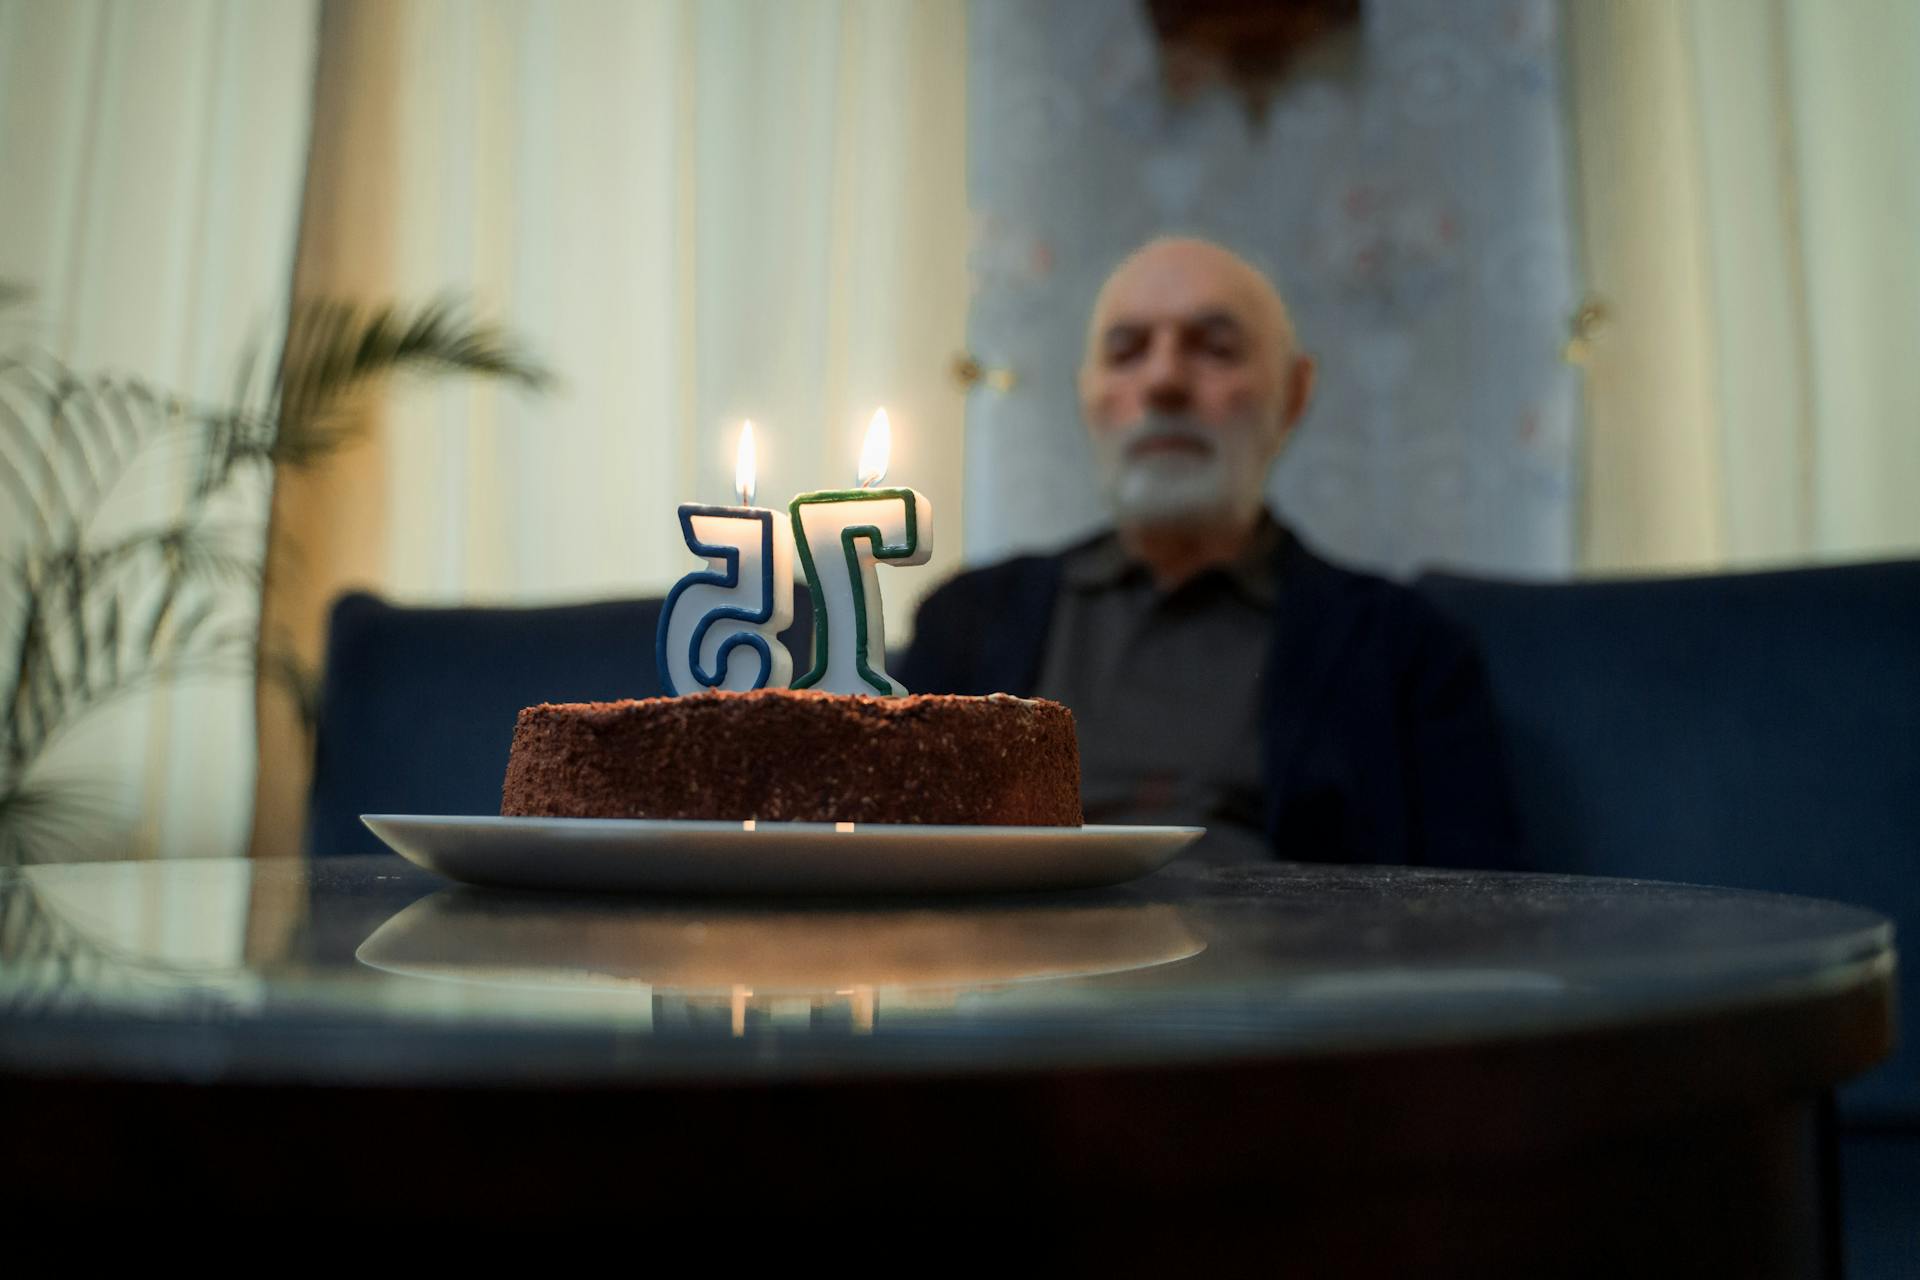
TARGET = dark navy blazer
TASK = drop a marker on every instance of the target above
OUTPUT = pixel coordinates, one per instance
(1379, 737)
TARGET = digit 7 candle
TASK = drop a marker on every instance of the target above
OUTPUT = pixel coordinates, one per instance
(842, 534)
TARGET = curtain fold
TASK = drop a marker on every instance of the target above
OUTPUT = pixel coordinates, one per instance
(1750, 193)
(327, 525)
(151, 159)
(694, 211)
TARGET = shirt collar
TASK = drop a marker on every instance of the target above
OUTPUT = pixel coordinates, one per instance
(1104, 563)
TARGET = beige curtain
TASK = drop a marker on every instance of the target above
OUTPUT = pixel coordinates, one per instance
(695, 211)
(150, 167)
(1749, 176)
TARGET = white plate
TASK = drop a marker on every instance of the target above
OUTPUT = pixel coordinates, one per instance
(774, 857)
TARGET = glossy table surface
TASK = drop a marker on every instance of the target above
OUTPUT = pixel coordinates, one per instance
(368, 971)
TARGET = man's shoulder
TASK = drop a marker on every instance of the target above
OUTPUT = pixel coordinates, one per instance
(978, 631)
(1310, 569)
(1298, 563)
(1389, 604)
(1011, 575)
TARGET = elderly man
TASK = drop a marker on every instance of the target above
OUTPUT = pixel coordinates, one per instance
(1220, 672)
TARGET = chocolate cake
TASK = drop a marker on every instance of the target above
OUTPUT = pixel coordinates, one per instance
(786, 755)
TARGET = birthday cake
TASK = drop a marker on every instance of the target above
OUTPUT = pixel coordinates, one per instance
(785, 755)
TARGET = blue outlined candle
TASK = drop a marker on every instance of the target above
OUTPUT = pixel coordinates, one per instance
(841, 535)
(720, 627)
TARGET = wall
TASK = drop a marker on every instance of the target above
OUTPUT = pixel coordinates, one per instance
(1414, 211)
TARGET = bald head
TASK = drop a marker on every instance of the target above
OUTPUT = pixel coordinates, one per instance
(1176, 273)
(1190, 386)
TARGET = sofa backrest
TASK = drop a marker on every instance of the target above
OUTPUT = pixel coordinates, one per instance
(417, 706)
(1759, 730)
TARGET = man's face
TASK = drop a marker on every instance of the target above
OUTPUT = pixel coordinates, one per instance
(1189, 387)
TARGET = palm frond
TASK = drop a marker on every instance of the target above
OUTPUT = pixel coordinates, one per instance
(160, 614)
(199, 550)
(222, 654)
(66, 440)
(54, 817)
(335, 349)
(110, 638)
(20, 447)
(209, 554)
(91, 618)
(73, 650)
(21, 495)
(351, 345)
(80, 579)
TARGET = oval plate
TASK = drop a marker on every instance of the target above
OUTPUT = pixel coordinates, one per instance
(639, 855)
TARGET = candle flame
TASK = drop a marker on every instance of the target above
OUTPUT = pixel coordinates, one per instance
(874, 454)
(743, 477)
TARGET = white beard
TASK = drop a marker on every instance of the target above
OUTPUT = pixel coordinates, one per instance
(1224, 484)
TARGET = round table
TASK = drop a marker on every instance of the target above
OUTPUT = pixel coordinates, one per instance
(1351, 1071)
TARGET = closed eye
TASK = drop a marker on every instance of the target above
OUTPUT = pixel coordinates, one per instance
(1217, 336)
(1124, 343)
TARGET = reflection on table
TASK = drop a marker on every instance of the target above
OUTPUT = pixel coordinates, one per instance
(698, 969)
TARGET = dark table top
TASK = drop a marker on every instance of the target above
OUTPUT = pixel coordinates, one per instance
(366, 971)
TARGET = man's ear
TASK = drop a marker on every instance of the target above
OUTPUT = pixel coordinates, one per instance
(1299, 391)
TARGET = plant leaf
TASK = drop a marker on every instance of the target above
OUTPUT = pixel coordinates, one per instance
(333, 350)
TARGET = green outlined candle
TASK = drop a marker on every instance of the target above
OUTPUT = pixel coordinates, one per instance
(841, 536)
(720, 627)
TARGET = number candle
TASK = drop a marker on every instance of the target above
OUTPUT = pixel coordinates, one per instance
(841, 535)
(741, 602)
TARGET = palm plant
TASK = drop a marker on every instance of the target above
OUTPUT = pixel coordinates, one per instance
(93, 609)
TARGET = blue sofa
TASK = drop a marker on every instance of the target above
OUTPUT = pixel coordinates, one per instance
(418, 705)
(1760, 730)
(1756, 730)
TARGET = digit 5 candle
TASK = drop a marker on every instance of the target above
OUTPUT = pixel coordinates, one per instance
(720, 628)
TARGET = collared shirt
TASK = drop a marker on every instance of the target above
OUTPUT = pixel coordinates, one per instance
(1166, 689)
